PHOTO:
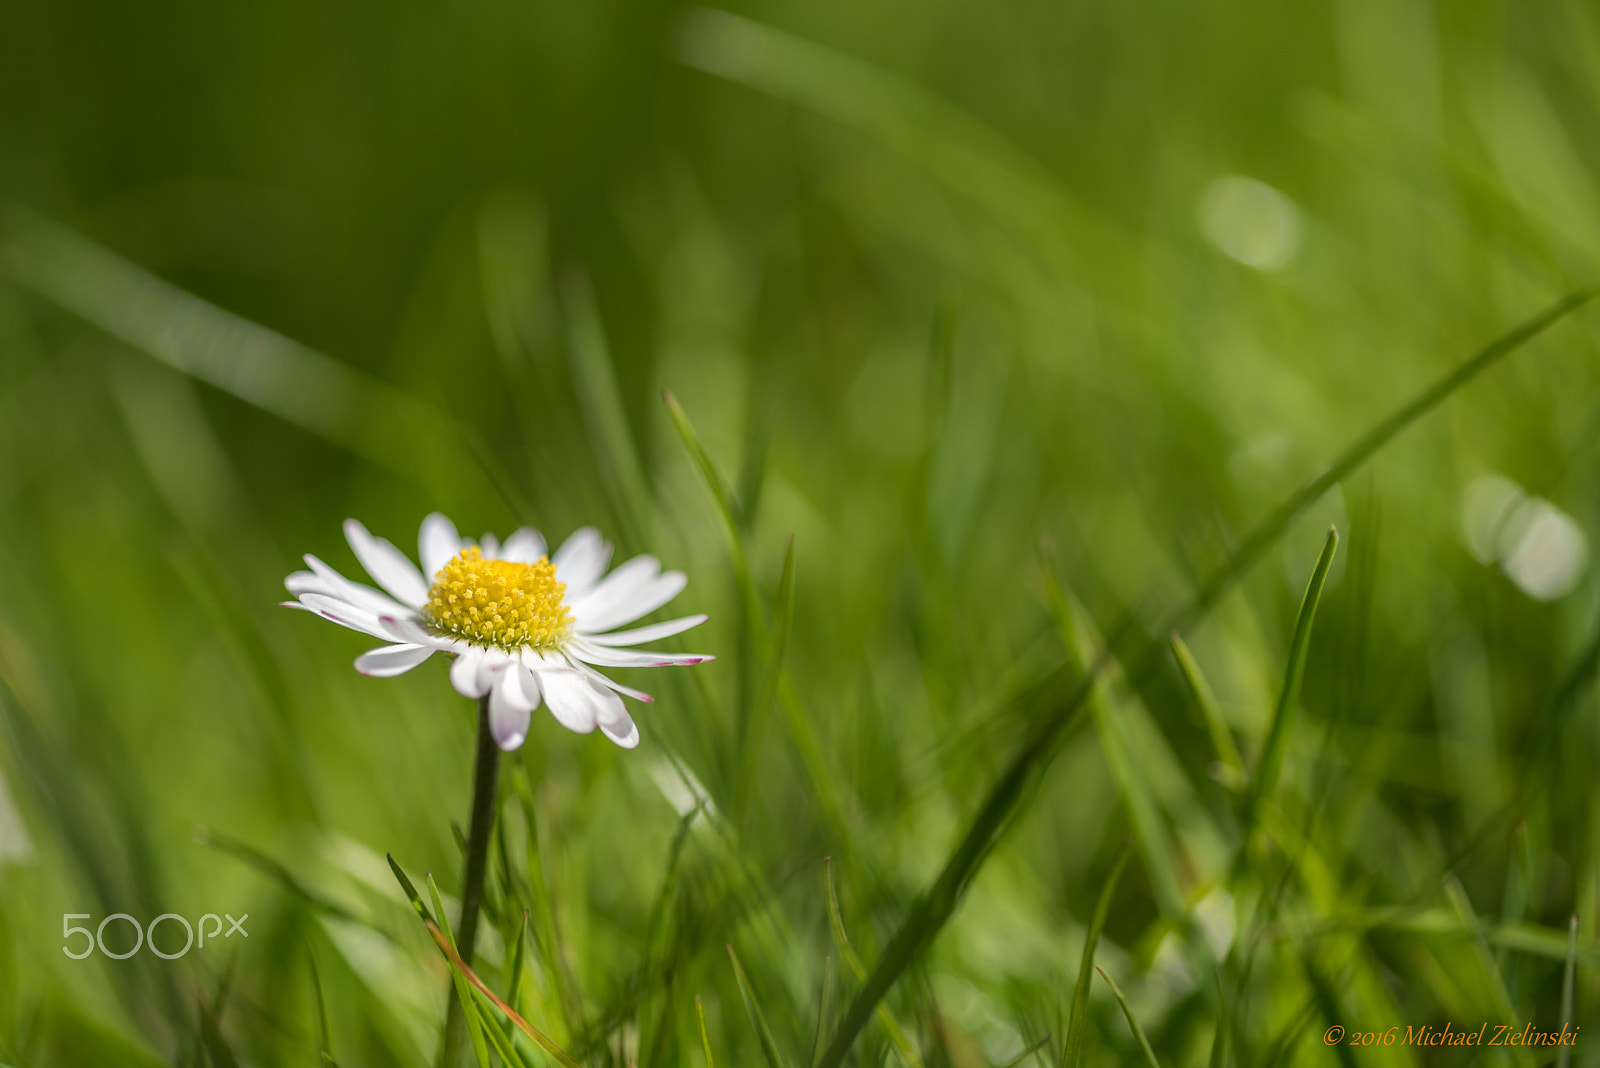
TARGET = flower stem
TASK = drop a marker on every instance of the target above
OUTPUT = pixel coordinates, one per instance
(485, 790)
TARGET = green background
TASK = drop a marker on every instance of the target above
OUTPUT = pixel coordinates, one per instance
(961, 297)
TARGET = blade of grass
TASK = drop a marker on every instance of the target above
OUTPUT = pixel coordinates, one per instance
(1097, 923)
(1569, 974)
(1492, 980)
(1150, 829)
(1270, 766)
(1063, 698)
(705, 1039)
(891, 1026)
(1029, 1052)
(769, 1046)
(518, 960)
(544, 1042)
(324, 1043)
(1133, 1022)
(824, 1009)
(447, 946)
(469, 1006)
(1205, 702)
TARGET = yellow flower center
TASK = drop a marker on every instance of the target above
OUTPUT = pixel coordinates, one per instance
(498, 602)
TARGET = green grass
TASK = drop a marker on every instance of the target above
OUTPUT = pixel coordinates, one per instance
(913, 335)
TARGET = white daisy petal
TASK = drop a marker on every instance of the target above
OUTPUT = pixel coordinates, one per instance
(510, 708)
(599, 654)
(601, 611)
(620, 728)
(408, 628)
(466, 674)
(387, 661)
(490, 546)
(572, 700)
(336, 585)
(345, 614)
(617, 589)
(437, 543)
(626, 691)
(392, 569)
(525, 546)
(581, 559)
(646, 634)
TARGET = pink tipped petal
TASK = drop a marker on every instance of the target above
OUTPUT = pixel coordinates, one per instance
(509, 711)
(604, 657)
(466, 674)
(387, 661)
(581, 560)
(654, 632)
(345, 614)
(437, 542)
(571, 699)
(386, 564)
(409, 629)
(524, 547)
(613, 612)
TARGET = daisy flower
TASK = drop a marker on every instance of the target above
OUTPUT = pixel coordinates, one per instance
(524, 628)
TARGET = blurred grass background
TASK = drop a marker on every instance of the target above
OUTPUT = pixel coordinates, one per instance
(936, 285)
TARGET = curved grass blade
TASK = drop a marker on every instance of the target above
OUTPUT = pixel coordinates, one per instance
(769, 1046)
(324, 1043)
(891, 1027)
(705, 1039)
(929, 913)
(1205, 702)
(1080, 992)
(469, 1007)
(1133, 1022)
(1016, 1061)
(1568, 975)
(1271, 764)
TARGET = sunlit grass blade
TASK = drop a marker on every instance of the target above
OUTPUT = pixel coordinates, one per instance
(891, 1027)
(1091, 940)
(547, 936)
(1265, 780)
(1133, 1021)
(1230, 764)
(705, 1039)
(1569, 974)
(758, 1019)
(469, 1005)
